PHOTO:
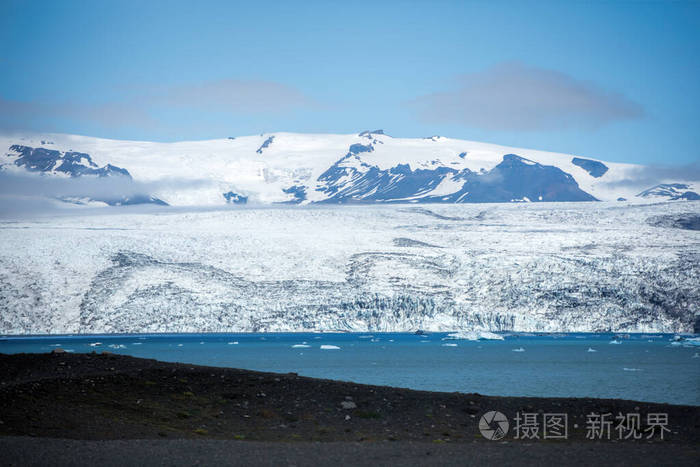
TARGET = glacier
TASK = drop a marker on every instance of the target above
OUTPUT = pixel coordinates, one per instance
(469, 268)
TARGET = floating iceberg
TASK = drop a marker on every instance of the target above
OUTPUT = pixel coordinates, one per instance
(233, 343)
(591, 350)
(474, 335)
(301, 346)
(685, 341)
(632, 369)
(95, 344)
(329, 347)
(615, 341)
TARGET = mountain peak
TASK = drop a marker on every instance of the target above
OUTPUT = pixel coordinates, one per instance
(319, 168)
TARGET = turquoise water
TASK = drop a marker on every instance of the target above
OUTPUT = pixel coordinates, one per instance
(640, 367)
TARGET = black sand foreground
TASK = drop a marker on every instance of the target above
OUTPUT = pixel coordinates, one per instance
(78, 409)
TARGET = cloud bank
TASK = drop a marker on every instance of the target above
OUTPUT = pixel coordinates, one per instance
(517, 97)
(234, 96)
(29, 193)
(141, 106)
(652, 175)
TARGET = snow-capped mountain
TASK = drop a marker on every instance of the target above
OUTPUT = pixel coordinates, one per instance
(368, 167)
(673, 191)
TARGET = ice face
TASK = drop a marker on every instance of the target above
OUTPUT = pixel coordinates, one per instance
(539, 267)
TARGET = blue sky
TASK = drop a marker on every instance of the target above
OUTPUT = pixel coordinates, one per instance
(612, 80)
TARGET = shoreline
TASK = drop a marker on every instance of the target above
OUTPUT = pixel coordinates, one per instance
(142, 393)
(106, 402)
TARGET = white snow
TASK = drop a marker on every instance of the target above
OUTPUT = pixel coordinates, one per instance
(447, 186)
(554, 267)
(198, 172)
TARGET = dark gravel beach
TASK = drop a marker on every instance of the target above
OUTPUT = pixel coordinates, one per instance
(96, 404)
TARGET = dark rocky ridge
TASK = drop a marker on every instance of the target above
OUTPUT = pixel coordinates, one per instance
(78, 165)
(514, 179)
(672, 191)
(69, 162)
(594, 168)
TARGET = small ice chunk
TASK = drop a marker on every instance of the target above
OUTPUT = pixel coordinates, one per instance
(615, 341)
(95, 344)
(520, 349)
(591, 350)
(233, 343)
(632, 369)
(449, 345)
(301, 346)
(329, 347)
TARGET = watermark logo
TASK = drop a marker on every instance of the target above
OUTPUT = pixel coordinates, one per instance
(493, 425)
